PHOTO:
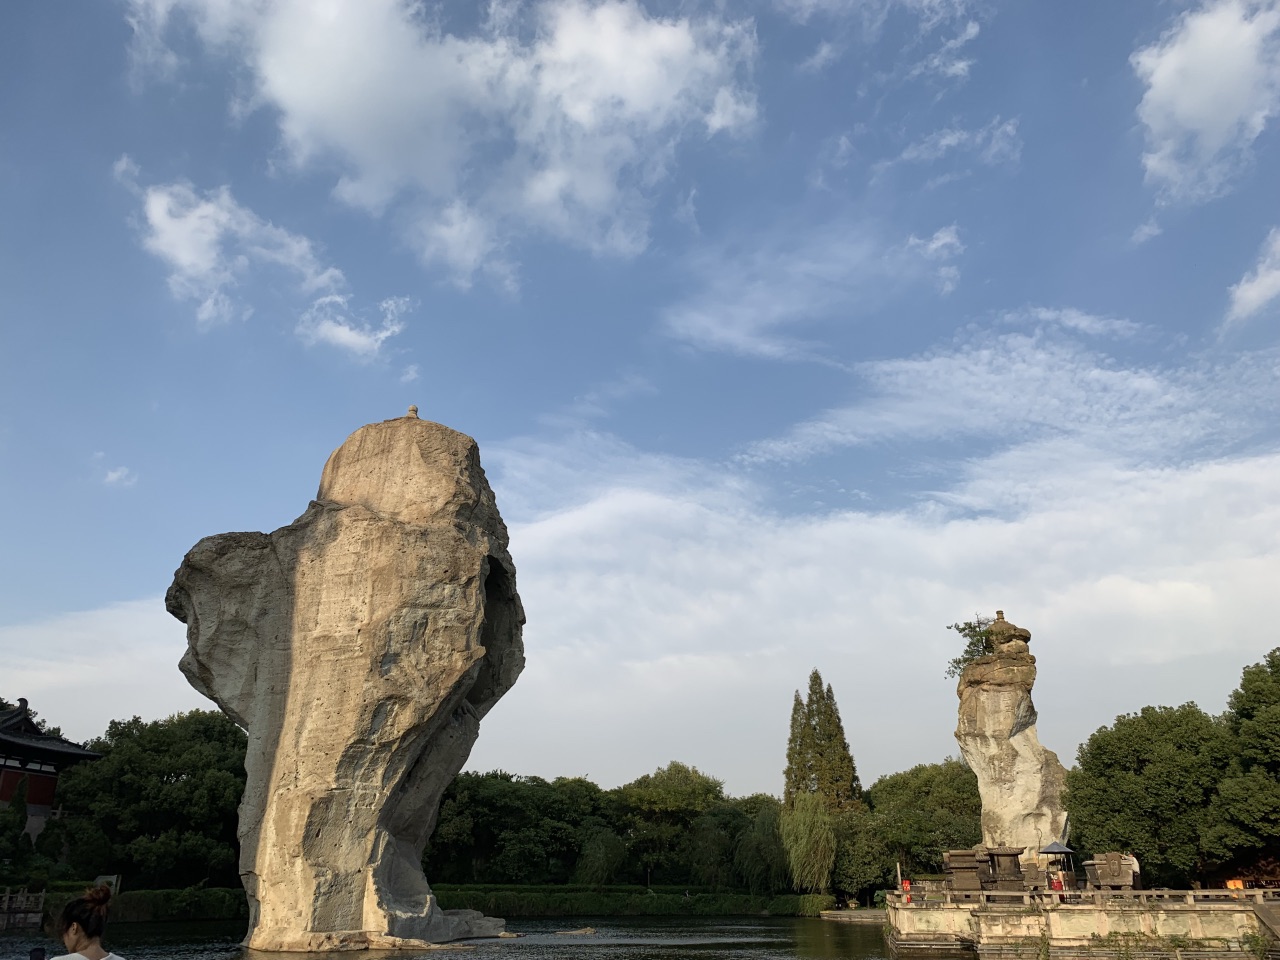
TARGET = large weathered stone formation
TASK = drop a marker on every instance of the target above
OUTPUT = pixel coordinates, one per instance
(1021, 783)
(359, 647)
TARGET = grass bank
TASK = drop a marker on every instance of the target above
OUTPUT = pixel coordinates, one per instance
(509, 902)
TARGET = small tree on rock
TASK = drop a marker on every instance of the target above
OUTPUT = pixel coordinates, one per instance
(977, 635)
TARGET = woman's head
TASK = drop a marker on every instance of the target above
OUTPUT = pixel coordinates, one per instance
(84, 919)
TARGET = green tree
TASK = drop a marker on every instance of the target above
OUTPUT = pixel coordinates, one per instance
(500, 828)
(977, 637)
(1242, 831)
(808, 835)
(921, 813)
(161, 804)
(863, 862)
(660, 809)
(1147, 784)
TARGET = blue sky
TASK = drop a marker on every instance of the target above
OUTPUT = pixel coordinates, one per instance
(790, 330)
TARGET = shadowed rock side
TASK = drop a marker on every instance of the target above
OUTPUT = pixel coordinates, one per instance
(360, 646)
(1021, 783)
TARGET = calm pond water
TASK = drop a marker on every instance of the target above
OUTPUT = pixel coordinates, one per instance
(644, 938)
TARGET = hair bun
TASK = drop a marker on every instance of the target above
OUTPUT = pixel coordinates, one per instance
(98, 897)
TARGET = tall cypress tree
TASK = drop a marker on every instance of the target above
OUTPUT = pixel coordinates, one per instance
(799, 775)
(818, 757)
(836, 774)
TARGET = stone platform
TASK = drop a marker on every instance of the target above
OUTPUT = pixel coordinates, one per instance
(1129, 925)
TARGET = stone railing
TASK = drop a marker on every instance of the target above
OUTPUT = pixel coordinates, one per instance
(20, 909)
(1163, 898)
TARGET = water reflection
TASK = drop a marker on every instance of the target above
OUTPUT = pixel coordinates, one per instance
(647, 938)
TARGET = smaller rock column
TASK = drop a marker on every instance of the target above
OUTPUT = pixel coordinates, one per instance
(1020, 782)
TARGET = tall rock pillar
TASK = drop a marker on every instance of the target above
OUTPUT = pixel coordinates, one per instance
(1020, 782)
(359, 647)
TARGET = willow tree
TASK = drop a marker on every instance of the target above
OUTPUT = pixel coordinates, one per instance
(808, 834)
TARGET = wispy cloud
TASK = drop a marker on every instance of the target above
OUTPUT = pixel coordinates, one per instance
(996, 143)
(752, 301)
(873, 13)
(949, 61)
(1260, 287)
(1044, 391)
(1212, 85)
(576, 107)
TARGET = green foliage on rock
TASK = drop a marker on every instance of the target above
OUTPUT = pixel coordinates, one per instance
(977, 637)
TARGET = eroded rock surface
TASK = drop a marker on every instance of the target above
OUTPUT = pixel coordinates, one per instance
(359, 647)
(1021, 783)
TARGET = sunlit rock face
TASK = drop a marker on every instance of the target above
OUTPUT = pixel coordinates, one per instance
(359, 647)
(1021, 783)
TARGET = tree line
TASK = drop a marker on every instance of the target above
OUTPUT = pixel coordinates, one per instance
(1196, 797)
(160, 807)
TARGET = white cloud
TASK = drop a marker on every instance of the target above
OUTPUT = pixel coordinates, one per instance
(996, 143)
(1212, 85)
(687, 211)
(210, 243)
(825, 54)
(1145, 231)
(329, 321)
(563, 119)
(1070, 318)
(409, 374)
(942, 246)
(682, 607)
(1260, 287)
(748, 298)
(119, 477)
(651, 581)
(81, 670)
